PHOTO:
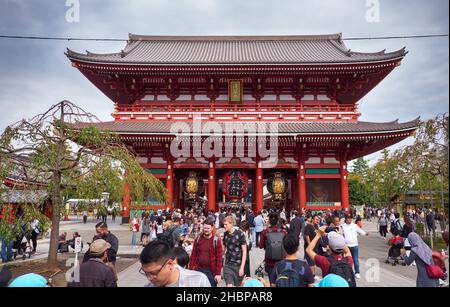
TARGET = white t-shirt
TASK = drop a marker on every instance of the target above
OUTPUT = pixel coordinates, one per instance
(135, 224)
(350, 233)
(159, 229)
(189, 278)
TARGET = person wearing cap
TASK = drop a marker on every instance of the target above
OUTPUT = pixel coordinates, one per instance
(338, 250)
(103, 233)
(95, 272)
(29, 281)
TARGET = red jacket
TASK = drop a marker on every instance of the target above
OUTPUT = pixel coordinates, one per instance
(216, 256)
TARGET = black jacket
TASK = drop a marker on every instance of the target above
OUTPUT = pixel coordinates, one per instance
(95, 273)
(295, 226)
(112, 252)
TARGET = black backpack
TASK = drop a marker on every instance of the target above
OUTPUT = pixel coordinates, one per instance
(396, 227)
(342, 268)
(288, 277)
(274, 244)
(167, 236)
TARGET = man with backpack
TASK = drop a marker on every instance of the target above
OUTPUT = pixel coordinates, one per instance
(171, 234)
(291, 272)
(272, 242)
(396, 225)
(339, 261)
(207, 253)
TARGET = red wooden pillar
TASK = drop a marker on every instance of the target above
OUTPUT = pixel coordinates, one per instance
(212, 192)
(176, 192)
(259, 183)
(169, 183)
(301, 182)
(344, 187)
(126, 202)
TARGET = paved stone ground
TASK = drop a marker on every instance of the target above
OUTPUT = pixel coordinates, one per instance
(374, 271)
(373, 252)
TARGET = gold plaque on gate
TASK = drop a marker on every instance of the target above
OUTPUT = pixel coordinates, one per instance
(235, 91)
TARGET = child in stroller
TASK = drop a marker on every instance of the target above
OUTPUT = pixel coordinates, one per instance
(394, 253)
(22, 246)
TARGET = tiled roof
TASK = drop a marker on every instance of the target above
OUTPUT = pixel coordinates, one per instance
(300, 128)
(23, 196)
(201, 50)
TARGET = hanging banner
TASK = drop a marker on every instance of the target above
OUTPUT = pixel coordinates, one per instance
(235, 91)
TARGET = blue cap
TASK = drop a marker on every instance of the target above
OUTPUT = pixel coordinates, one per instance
(29, 280)
(253, 283)
(332, 280)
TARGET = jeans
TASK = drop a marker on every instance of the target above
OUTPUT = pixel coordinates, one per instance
(253, 234)
(34, 236)
(258, 234)
(383, 231)
(133, 238)
(430, 228)
(84, 219)
(6, 250)
(355, 255)
(210, 275)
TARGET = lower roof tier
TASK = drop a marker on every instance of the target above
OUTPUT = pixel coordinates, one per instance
(222, 128)
(342, 140)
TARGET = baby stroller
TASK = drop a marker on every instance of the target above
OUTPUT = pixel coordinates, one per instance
(394, 253)
(21, 246)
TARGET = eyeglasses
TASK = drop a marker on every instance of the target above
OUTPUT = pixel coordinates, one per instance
(153, 274)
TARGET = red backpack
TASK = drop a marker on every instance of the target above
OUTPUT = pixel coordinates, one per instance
(435, 270)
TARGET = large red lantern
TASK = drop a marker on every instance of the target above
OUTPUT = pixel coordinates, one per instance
(235, 184)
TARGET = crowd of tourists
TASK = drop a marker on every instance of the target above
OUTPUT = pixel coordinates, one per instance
(201, 248)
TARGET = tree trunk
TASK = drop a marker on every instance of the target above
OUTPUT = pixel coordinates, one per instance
(52, 260)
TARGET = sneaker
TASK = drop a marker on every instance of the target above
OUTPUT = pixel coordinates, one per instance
(357, 275)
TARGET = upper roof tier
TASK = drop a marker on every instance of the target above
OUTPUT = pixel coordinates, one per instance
(236, 50)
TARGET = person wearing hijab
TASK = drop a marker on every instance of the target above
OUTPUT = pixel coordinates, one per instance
(422, 255)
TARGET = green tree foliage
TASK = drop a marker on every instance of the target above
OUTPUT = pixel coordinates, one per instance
(361, 168)
(66, 161)
(420, 166)
(359, 190)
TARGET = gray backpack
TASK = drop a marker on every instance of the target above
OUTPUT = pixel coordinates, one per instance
(274, 244)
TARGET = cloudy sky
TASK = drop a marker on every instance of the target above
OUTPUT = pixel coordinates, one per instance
(36, 74)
